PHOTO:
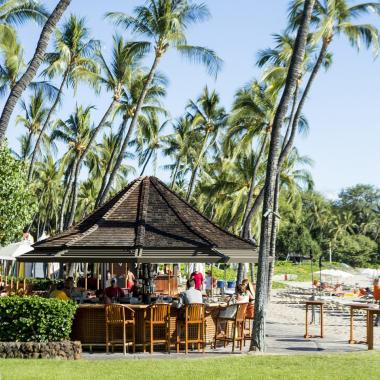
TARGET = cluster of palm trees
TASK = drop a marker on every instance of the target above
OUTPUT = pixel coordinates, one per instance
(229, 164)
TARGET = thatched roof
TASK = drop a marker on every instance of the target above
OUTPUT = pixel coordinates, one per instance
(145, 222)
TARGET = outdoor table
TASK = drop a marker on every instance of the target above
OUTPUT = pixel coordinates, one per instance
(353, 307)
(370, 313)
(313, 303)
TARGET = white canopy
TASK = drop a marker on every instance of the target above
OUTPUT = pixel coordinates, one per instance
(334, 273)
(370, 272)
(11, 251)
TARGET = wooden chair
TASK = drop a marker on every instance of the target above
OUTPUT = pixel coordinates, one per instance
(237, 322)
(250, 313)
(120, 316)
(194, 319)
(159, 317)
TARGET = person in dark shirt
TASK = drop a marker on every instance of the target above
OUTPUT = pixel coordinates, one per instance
(114, 291)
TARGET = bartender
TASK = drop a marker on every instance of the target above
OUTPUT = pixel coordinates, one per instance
(114, 291)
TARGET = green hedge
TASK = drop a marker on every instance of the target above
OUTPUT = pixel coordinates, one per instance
(35, 319)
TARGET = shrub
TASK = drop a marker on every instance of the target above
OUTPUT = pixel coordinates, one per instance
(35, 319)
(42, 283)
(17, 200)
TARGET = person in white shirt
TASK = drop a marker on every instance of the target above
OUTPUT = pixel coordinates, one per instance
(192, 295)
(208, 283)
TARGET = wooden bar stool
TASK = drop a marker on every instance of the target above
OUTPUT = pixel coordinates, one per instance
(159, 317)
(249, 315)
(195, 319)
(238, 321)
(312, 304)
(120, 316)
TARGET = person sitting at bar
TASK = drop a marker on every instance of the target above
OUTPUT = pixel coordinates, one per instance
(102, 297)
(192, 294)
(198, 279)
(59, 293)
(114, 291)
(241, 294)
(249, 289)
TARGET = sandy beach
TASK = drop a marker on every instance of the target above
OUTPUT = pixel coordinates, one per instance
(336, 321)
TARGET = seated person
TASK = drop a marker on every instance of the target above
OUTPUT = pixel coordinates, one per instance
(241, 294)
(101, 295)
(249, 289)
(59, 293)
(191, 295)
(114, 291)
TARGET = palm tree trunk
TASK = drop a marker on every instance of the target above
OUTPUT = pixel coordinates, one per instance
(110, 161)
(27, 145)
(146, 162)
(175, 174)
(272, 248)
(45, 125)
(259, 322)
(314, 72)
(34, 64)
(132, 126)
(246, 223)
(74, 193)
(64, 199)
(83, 156)
(247, 218)
(195, 170)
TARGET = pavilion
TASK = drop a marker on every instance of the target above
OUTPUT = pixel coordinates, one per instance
(146, 222)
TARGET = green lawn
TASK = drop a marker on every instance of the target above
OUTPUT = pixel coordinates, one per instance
(356, 366)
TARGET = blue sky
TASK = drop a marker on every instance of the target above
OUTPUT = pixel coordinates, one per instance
(342, 109)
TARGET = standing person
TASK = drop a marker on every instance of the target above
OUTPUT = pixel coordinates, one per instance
(130, 279)
(209, 283)
(198, 279)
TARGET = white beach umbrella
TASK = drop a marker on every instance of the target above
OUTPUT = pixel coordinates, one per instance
(12, 251)
(370, 272)
(334, 273)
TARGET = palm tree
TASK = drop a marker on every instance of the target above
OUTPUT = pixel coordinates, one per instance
(149, 140)
(33, 66)
(15, 12)
(73, 60)
(12, 61)
(252, 119)
(180, 145)
(34, 115)
(76, 133)
(209, 118)
(258, 339)
(101, 158)
(127, 108)
(48, 191)
(125, 61)
(165, 23)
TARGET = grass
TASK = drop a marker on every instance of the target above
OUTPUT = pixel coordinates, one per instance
(364, 365)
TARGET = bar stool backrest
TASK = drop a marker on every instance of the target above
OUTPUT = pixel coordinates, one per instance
(115, 314)
(195, 312)
(159, 312)
(241, 311)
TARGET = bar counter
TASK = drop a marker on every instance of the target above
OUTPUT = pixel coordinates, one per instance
(89, 324)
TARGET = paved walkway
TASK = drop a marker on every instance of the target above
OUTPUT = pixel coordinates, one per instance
(282, 339)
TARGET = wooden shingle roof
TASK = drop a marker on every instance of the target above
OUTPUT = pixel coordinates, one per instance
(146, 221)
